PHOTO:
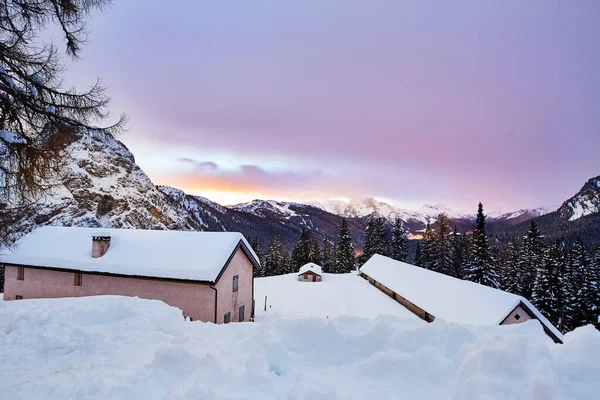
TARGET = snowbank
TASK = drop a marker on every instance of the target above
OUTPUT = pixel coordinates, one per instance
(127, 348)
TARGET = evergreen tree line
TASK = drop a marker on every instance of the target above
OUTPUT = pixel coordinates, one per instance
(562, 282)
(334, 255)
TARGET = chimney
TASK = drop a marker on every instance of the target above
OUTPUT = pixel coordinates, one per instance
(100, 245)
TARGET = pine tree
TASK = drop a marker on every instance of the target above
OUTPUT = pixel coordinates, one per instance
(568, 317)
(276, 259)
(482, 268)
(344, 260)
(418, 257)
(306, 250)
(594, 279)
(584, 285)
(441, 250)
(509, 270)
(377, 240)
(427, 248)
(327, 254)
(458, 244)
(547, 291)
(532, 252)
(399, 245)
(255, 244)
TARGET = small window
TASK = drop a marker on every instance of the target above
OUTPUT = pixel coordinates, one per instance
(21, 273)
(517, 317)
(19, 297)
(235, 283)
(241, 314)
(227, 318)
(77, 279)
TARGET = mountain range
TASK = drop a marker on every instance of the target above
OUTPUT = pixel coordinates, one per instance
(100, 185)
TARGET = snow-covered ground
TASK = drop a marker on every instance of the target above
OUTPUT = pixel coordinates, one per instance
(127, 348)
(335, 295)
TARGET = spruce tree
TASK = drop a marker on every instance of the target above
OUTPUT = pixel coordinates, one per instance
(532, 252)
(547, 291)
(509, 270)
(594, 279)
(585, 295)
(377, 240)
(570, 307)
(458, 250)
(327, 254)
(482, 269)
(418, 257)
(255, 244)
(399, 247)
(344, 260)
(427, 248)
(441, 250)
(276, 259)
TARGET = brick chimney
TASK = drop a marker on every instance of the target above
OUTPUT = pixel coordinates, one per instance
(100, 245)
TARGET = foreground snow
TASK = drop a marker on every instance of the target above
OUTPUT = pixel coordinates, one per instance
(127, 348)
(335, 295)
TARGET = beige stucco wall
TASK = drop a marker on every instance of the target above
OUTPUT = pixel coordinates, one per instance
(194, 299)
(230, 301)
(511, 317)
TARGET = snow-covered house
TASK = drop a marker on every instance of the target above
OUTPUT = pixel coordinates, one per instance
(208, 275)
(310, 272)
(431, 295)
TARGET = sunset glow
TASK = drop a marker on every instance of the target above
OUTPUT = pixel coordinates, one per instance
(405, 101)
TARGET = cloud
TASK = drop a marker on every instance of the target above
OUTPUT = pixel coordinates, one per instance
(208, 165)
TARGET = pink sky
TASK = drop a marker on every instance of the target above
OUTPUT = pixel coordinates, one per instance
(415, 102)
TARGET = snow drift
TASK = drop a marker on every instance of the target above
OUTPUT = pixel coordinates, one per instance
(127, 348)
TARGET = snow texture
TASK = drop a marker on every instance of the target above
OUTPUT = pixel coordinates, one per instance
(11, 137)
(189, 255)
(310, 267)
(336, 295)
(445, 297)
(128, 348)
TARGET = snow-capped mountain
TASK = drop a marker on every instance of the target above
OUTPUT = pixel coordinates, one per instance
(585, 202)
(100, 185)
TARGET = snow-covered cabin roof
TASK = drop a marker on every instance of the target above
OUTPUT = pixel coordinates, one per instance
(312, 267)
(448, 298)
(198, 256)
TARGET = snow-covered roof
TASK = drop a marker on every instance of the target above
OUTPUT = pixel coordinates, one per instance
(198, 256)
(310, 267)
(448, 298)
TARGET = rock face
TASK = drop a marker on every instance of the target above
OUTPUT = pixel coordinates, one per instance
(100, 185)
(585, 202)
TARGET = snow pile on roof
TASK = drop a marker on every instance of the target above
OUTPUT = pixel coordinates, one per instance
(310, 267)
(445, 297)
(127, 348)
(198, 256)
(336, 295)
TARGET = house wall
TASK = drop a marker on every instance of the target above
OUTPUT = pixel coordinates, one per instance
(524, 316)
(196, 300)
(230, 301)
(308, 277)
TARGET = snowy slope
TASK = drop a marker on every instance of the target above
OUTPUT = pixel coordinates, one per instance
(585, 202)
(100, 185)
(127, 348)
(428, 212)
(335, 295)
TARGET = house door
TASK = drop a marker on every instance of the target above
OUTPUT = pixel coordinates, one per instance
(314, 278)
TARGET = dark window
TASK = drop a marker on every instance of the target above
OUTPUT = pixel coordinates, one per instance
(517, 317)
(21, 273)
(235, 283)
(241, 314)
(77, 279)
(19, 297)
(227, 318)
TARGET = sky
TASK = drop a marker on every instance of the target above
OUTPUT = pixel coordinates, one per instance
(409, 102)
